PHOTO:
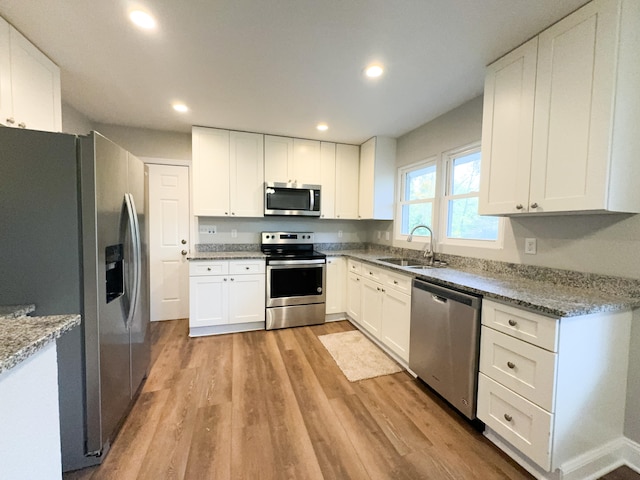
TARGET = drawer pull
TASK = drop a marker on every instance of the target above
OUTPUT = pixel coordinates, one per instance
(246, 268)
(512, 322)
(508, 417)
(511, 365)
(208, 269)
(395, 282)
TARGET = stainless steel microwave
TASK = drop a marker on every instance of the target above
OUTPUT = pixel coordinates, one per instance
(291, 199)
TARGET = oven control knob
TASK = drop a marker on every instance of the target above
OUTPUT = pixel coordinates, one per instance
(319, 289)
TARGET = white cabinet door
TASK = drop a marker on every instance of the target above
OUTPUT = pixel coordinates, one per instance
(396, 317)
(354, 296)
(278, 155)
(347, 172)
(376, 178)
(208, 302)
(507, 131)
(210, 172)
(371, 310)
(35, 86)
(246, 181)
(306, 162)
(246, 298)
(6, 105)
(336, 282)
(573, 110)
(328, 180)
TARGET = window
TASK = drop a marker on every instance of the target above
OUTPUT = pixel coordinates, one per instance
(443, 194)
(418, 195)
(461, 199)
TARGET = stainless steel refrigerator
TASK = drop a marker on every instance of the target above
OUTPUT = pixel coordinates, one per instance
(74, 240)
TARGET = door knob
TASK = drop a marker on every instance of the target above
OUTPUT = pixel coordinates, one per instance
(184, 252)
(184, 242)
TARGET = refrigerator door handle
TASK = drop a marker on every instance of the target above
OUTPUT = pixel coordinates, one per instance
(134, 227)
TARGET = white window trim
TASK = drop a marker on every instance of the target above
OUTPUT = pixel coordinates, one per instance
(443, 239)
(435, 213)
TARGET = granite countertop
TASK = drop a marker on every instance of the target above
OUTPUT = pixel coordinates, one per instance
(22, 336)
(541, 296)
(238, 255)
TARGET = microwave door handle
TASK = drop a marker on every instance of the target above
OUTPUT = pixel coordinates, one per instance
(312, 201)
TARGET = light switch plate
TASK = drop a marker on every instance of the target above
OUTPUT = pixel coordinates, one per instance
(530, 246)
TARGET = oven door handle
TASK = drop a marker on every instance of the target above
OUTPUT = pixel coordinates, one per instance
(285, 263)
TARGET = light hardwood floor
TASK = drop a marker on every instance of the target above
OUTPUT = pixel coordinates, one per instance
(274, 405)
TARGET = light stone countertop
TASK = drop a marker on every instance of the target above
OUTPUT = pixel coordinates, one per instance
(239, 255)
(22, 336)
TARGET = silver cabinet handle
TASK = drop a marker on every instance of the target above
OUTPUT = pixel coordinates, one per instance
(508, 417)
(511, 365)
(183, 252)
(512, 322)
(11, 120)
(519, 206)
(534, 205)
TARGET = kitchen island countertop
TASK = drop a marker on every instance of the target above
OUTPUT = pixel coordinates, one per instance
(22, 336)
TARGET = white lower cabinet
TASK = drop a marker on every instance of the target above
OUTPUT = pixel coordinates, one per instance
(336, 285)
(226, 296)
(552, 390)
(379, 301)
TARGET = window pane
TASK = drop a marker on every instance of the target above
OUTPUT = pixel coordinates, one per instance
(420, 183)
(465, 174)
(416, 214)
(464, 221)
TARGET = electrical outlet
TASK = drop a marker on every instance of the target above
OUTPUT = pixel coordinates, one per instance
(234, 233)
(207, 229)
(530, 246)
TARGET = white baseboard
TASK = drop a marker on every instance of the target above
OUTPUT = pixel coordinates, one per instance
(589, 466)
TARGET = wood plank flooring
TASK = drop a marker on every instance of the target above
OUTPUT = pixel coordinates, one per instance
(274, 405)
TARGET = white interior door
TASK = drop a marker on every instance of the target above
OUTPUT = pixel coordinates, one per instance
(168, 241)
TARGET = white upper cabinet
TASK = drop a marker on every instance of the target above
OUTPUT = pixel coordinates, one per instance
(29, 84)
(328, 180)
(227, 173)
(347, 174)
(376, 181)
(586, 108)
(291, 160)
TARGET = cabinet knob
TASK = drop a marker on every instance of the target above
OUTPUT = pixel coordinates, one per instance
(378, 288)
(233, 213)
(226, 213)
(508, 417)
(232, 279)
(11, 120)
(395, 282)
(183, 252)
(511, 365)
(225, 279)
(22, 125)
(512, 322)
(534, 205)
(184, 242)
(246, 268)
(208, 269)
(519, 206)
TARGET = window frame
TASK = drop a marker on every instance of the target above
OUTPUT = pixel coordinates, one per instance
(447, 159)
(435, 201)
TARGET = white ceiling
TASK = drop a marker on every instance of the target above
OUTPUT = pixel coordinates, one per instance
(278, 66)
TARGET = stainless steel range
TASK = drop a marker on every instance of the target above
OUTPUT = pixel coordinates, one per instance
(295, 280)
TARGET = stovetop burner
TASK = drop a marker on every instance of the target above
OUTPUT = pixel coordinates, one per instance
(289, 245)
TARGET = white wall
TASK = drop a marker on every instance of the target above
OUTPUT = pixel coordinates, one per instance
(143, 142)
(606, 244)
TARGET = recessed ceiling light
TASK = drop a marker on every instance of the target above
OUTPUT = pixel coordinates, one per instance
(373, 71)
(323, 127)
(180, 107)
(142, 19)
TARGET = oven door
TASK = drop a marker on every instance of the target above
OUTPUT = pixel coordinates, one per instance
(295, 282)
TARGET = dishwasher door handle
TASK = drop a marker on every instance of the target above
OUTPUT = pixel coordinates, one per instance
(439, 299)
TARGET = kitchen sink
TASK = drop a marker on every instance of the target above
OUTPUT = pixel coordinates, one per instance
(402, 262)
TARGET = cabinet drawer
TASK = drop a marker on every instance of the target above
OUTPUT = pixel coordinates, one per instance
(239, 267)
(354, 266)
(524, 368)
(371, 272)
(401, 283)
(522, 423)
(198, 267)
(528, 326)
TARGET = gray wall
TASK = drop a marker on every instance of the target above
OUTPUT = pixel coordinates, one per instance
(144, 142)
(606, 244)
(75, 122)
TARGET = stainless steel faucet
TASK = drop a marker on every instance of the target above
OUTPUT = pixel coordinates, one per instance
(430, 254)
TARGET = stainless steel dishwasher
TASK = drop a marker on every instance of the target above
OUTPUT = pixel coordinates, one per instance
(444, 345)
